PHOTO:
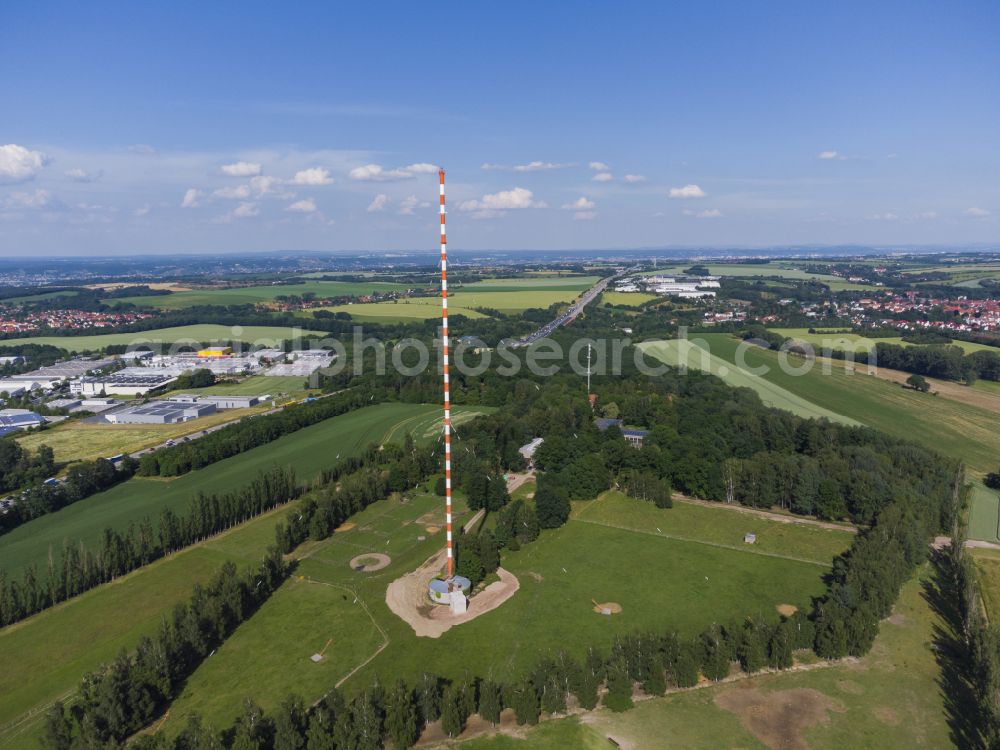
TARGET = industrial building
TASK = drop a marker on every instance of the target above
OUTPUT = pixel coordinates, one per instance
(12, 420)
(123, 383)
(161, 412)
(632, 436)
(220, 402)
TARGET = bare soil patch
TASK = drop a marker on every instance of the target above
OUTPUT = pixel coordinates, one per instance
(786, 610)
(777, 719)
(345, 526)
(431, 529)
(536, 576)
(886, 715)
(607, 608)
(369, 562)
(897, 619)
(407, 597)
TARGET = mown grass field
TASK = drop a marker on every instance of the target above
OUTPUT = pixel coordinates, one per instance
(308, 451)
(45, 656)
(688, 521)
(251, 295)
(852, 341)
(889, 699)
(461, 301)
(676, 352)
(264, 336)
(984, 514)
(553, 609)
(81, 441)
(752, 270)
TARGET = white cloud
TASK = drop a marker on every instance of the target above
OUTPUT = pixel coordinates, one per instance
(708, 213)
(241, 169)
(245, 210)
(408, 204)
(534, 166)
(262, 185)
(379, 202)
(81, 175)
(238, 192)
(831, 155)
(602, 177)
(312, 176)
(18, 164)
(141, 211)
(36, 199)
(688, 191)
(190, 199)
(599, 166)
(584, 215)
(887, 216)
(517, 198)
(306, 206)
(580, 204)
(977, 213)
(377, 173)
(633, 178)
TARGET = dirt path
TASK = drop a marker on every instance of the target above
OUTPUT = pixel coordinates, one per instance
(516, 480)
(769, 514)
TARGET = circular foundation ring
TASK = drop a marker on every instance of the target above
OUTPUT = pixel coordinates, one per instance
(369, 562)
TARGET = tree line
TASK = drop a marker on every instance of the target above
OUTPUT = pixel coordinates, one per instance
(80, 569)
(82, 480)
(21, 468)
(246, 434)
(122, 697)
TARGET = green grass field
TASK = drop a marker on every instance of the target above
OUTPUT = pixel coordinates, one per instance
(848, 341)
(675, 352)
(42, 297)
(45, 656)
(984, 514)
(308, 451)
(251, 295)
(988, 565)
(688, 521)
(754, 270)
(632, 299)
(193, 334)
(890, 699)
(552, 610)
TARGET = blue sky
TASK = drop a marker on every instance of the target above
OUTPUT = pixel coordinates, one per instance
(128, 127)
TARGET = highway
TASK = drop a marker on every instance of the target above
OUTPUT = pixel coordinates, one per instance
(571, 312)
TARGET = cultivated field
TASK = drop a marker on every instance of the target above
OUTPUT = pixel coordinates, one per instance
(396, 312)
(252, 295)
(193, 334)
(988, 563)
(686, 352)
(889, 699)
(308, 451)
(632, 299)
(259, 385)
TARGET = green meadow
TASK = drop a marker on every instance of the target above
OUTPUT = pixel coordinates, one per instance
(251, 295)
(308, 451)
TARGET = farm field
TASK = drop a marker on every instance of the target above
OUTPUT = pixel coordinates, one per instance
(675, 352)
(988, 564)
(307, 451)
(889, 699)
(753, 270)
(552, 610)
(193, 334)
(632, 299)
(79, 441)
(858, 343)
(984, 514)
(252, 295)
(395, 312)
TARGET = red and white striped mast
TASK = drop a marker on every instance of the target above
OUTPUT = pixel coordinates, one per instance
(447, 399)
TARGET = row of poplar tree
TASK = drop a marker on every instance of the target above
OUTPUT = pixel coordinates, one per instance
(79, 569)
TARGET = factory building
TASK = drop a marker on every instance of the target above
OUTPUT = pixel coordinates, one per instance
(161, 412)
